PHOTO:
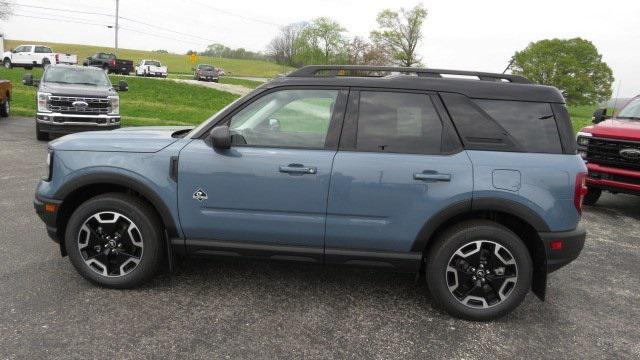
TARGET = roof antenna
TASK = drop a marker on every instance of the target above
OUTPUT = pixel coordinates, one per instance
(508, 66)
(615, 100)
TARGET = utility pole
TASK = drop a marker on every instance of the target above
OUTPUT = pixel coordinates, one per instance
(117, 13)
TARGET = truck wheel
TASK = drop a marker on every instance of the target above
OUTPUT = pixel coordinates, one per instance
(478, 270)
(41, 135)
(115, 240)
(5, 108)
(7, 63)
(45, 62)
(592, 196)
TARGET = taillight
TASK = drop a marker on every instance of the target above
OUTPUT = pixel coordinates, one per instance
(580, 190)
(113, 63)
(57, 58)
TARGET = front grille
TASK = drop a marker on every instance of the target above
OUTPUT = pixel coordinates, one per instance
(607, 152)
(64, 105)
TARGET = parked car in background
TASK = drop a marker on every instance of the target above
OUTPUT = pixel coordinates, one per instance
(338, 165)
(206, 72)
(73, 98)
(5, 98)
(29, 56)
(611, 148)
(110, 63)
(151, 68)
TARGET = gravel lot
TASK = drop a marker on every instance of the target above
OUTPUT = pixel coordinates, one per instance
(241, 309)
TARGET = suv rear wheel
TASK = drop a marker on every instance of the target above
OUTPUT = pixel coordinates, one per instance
(115, 240)
(478, 270)
(592, 196)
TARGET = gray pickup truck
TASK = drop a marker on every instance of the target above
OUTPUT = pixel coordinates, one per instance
(73, 98)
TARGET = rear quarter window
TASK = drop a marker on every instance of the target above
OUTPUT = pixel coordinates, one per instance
(531, 124)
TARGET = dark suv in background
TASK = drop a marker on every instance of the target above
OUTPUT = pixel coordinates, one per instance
(474, 182)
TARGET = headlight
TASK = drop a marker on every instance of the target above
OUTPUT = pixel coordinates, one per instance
(115, 105)
(583, 139)
(43, 101)
(49, 165)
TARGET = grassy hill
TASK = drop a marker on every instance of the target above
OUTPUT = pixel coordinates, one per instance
(176, 63)
(148, 101)
(155, 102)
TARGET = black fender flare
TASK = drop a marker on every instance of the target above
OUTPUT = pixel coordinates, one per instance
(124, 181)
(462, 207)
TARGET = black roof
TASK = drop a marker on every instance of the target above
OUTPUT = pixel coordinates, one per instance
(478, 85)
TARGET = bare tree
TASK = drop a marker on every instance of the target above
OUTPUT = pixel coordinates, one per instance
(283, 47)
(401, 32)
(362, 52)
(5, 10)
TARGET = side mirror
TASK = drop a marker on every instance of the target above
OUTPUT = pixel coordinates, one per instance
(27, 79)
(220, 137)
(12, 51)
(123, 86)
(599, 116)
(274, 124)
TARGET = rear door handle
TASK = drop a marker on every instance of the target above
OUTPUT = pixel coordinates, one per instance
(431, 176)
(298, 169)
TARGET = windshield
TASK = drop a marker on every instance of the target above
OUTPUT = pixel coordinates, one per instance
(153, 63)
(206, 67)
(85, 76)
(631, 111)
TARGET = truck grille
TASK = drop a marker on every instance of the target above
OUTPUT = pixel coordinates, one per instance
(64, 104)
(607, 152)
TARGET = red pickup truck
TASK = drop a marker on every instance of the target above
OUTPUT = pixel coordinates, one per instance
(611, 148)
(5, 98)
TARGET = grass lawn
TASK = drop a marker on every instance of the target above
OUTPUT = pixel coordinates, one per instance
(148, 102)
(242, 82)
(177, 63)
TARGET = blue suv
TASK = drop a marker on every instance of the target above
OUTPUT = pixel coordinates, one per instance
(470, 178)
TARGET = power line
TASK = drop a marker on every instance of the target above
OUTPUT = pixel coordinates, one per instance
(236, 15)
(63, 20)
(57, 9)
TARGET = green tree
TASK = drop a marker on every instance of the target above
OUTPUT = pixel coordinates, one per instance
(574, 66)
(321, 42)
(400, 32)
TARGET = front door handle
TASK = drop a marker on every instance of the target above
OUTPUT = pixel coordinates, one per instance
(298, 169)
(431, 176)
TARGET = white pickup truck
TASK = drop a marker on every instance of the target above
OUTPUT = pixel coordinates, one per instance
(28, 56)
(151, 68)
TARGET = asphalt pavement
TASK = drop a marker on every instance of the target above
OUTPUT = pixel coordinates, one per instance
(242, 309)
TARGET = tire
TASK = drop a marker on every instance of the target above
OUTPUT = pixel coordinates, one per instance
(592, 196)
(45, 63)
(7, 63)
(41, 135)
(456, 249)
(5, 108)
(121, 271)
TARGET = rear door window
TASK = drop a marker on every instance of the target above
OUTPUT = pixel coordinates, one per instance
(531, 124)
(398, 122)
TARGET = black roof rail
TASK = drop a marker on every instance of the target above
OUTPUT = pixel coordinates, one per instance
(362, 70)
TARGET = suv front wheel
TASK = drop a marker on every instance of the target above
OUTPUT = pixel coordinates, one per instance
(115, 240)
(478, 270)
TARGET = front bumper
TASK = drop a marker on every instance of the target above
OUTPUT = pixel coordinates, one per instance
(613, 179)
(69, 123)
(47, 210)
(572, 244)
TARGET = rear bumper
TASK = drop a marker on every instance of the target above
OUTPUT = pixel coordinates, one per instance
(572, 244)
(613, 179)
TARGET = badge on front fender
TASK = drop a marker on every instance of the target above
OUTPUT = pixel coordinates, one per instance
(200, 195)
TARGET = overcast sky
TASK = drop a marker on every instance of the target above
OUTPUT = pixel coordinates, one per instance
(467, 35)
